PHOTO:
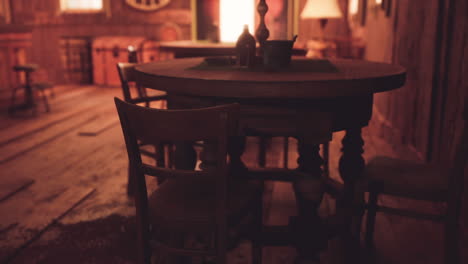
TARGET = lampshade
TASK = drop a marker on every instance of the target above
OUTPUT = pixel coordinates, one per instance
(321, 9)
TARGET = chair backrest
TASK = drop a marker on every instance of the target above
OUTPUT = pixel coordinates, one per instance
(127, 75)
(153, 126)
(128, 79)
(461, 154)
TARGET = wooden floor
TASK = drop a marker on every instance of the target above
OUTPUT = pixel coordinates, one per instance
(63, 191)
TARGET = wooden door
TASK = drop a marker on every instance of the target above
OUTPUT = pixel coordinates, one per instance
(76, 59)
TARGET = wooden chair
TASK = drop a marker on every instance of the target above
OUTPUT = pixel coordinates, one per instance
(209, 203)
(428, 182)
(127, 81)
(127, 78)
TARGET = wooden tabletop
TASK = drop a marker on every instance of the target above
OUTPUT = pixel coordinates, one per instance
(351, 78)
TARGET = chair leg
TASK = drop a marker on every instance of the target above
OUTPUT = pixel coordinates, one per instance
(451, 240)
(358, 212)
(44, 98)
(326, 148)
(285, 152)
(34, 108)
(262, 145)
(130, 182)
(160, 159)
(371, 215)
(13, 100)
(170, 156)
(221, 256)
(142, 226)
(52, 92)
(256, 243)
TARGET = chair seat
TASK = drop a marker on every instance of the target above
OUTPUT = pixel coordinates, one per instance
(185, 204)
(408, 178)
(26, 67)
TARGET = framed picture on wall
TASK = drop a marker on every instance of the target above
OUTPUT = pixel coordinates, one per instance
(147, 5)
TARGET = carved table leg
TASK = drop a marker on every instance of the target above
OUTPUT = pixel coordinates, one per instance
(351, 167)
(236, 148)
(185, 156)
(308, 228)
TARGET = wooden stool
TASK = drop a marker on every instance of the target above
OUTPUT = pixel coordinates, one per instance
(29, 87)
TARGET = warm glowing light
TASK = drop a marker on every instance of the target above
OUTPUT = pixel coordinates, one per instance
(353, 7)
(81, 4)
(233, 16)
(378, 2)
(321, 9)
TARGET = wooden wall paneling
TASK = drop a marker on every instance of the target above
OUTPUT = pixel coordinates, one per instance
(415, 50)
(451, 84)
(207, 19)
(451, 87)
(5, 13)
(406, 112)
(277, 19)
(14, 49)
(457, 93)
(380, 35)
(46, 51)
(50, 25)
(4, 74)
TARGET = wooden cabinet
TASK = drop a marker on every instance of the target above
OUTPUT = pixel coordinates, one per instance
(76, 59)
(108, 51)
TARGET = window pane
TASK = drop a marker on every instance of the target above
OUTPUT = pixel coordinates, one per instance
(82, 4)
(233, 16)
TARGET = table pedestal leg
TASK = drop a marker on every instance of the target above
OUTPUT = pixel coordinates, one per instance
(185, 156)
(351, 166)
(236, 148)
(308, 228)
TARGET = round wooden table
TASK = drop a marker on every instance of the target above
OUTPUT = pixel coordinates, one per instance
(309, 100)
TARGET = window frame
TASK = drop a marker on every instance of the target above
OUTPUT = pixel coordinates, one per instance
(105, 9)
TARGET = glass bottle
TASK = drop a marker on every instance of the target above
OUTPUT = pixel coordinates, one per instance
(245, 48)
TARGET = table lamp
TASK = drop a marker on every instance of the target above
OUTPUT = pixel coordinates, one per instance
(322, 10)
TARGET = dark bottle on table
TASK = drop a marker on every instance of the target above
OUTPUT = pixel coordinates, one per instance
(245, 49)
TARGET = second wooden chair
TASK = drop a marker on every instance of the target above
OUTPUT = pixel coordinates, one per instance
(418, 181)
(128, 81)
(210, 204)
